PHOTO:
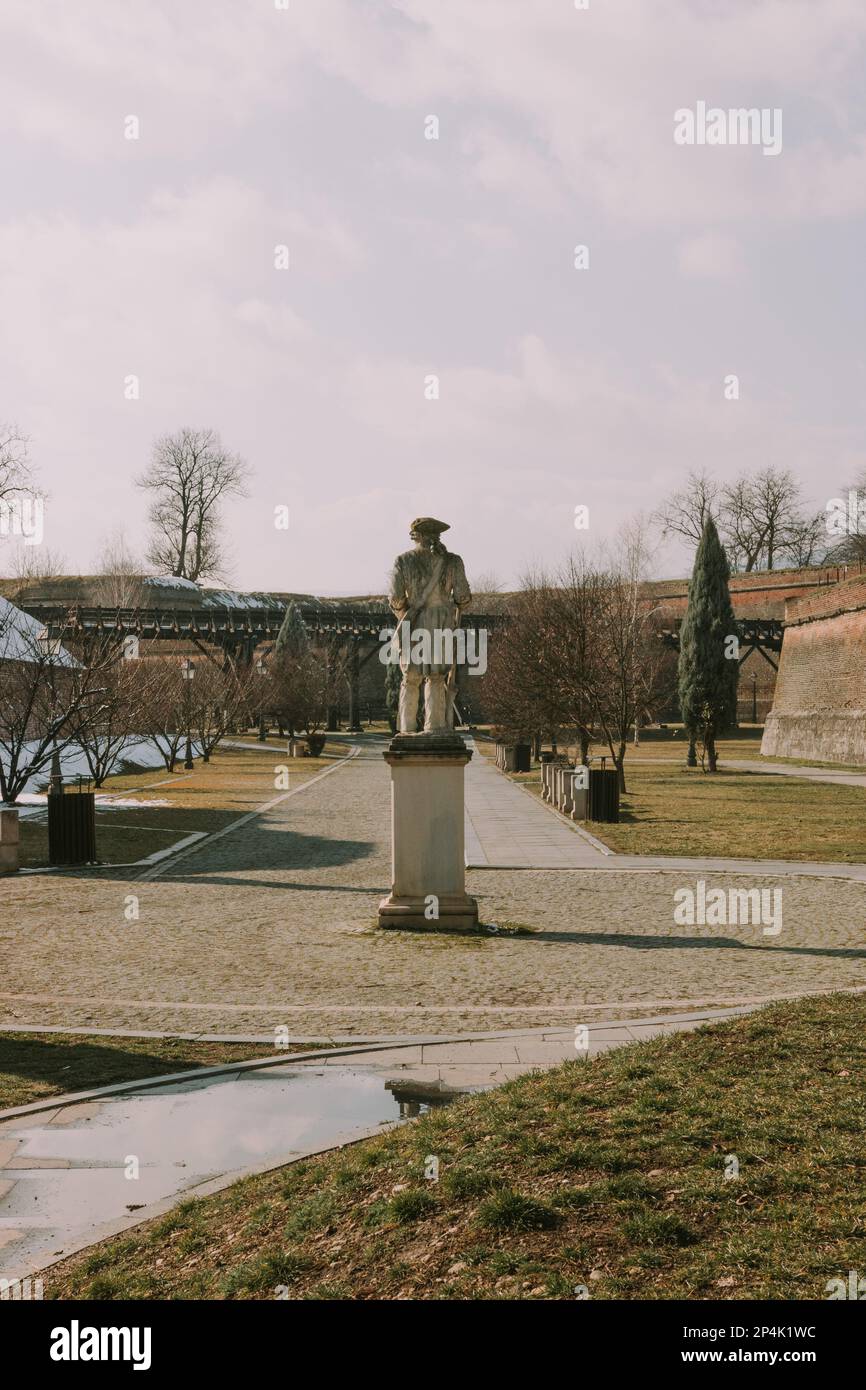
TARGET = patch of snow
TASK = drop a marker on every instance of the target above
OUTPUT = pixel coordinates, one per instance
(136, 803)
(228, 598)
(172, 581)
(31, 803)
(137, 755)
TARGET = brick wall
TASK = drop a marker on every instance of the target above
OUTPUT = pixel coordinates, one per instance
(819, 710)
(760, 594)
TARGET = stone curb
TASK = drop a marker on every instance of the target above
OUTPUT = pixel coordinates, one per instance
(257, 1064)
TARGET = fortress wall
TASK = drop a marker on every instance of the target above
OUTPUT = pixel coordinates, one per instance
(758, 594)
(819, 710)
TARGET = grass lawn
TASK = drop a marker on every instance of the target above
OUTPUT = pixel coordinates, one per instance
(211, 796)
(674, 810)
(34, 1066)
(668, 745)
(609, 1175)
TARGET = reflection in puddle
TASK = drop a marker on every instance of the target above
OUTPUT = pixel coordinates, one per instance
(140, 1147)
(414, 1097)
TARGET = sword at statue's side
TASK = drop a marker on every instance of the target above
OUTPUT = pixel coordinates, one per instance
(451, 682)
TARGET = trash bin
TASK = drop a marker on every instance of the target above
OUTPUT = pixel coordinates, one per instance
(71, 828)
(603, 794)
(523, 757)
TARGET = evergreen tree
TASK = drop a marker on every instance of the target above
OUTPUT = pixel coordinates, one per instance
(707, 674)
(292, 640)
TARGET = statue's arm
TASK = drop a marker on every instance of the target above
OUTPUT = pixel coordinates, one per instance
(398, 597)
(459, 584)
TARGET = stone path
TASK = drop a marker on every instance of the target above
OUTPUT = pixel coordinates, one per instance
(508, 827)
(77, 1169)
(273, 926)
(811, 774)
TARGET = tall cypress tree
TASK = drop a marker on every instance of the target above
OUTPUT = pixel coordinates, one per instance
(707, 676)
(292, 640)
(290, 660)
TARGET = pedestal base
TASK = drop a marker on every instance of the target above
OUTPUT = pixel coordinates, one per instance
(428, 890)
(412, 914)
(9, 840)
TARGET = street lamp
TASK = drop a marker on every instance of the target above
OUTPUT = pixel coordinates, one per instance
(641, 620)
(263, 734)
(49, 650)
(188, 672)
(754, 697)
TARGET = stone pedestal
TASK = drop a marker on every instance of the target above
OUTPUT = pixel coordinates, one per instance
(579, 799)
(9, 840)
(428, 890)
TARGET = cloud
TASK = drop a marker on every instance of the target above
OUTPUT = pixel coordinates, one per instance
(712, 256)
(305, 127)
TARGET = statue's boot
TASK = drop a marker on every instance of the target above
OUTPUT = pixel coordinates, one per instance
(436, 705)
(407, 710)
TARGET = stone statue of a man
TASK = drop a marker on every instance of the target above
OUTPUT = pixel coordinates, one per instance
(428, 589)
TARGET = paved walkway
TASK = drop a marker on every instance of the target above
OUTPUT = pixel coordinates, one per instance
(811, 774)
(274, 926)
(81, 1168)
(508, 827)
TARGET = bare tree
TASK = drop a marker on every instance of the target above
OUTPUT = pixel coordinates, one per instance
(301, 687)
(568, 626)
(220, 698)
(760, 517)
(515, 691)
(35, 565)
(685, 511)
(189, 475)
(16, 473)
(106, 728)
(581, 651)
(537, 681)
(163, 704)
(807, 544)
(626, 660)
(120, 574)
(487, 594)
(45, 693)
(851, 548)
(740, 525)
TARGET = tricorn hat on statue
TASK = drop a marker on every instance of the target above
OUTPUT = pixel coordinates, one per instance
(429, 526)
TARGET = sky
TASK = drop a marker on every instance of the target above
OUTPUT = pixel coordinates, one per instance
(307, 124)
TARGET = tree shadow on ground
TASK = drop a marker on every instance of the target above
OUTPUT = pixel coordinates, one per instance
(66, 1065)
(640, 942)
(265, 847)
(226, 879)
(271, 848)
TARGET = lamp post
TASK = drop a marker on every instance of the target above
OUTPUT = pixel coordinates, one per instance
(641, 620)
(188, 671)
(263, 735)
(49, 648)
(754, 697)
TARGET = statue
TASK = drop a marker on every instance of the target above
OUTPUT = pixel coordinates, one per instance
(428, 589)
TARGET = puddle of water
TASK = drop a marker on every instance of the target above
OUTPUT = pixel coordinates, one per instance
(180, 1135)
